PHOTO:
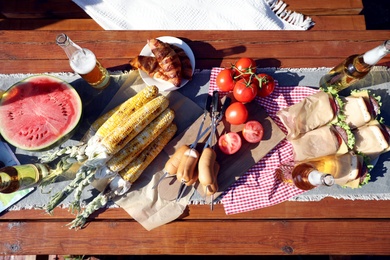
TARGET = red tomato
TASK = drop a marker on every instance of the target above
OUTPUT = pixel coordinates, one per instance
(225, 80)
(236, 113)
(245, 67)
(229, 143)
(253, 131)
(245, 91)
(266, 85)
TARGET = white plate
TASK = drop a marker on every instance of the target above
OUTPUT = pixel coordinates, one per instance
(161, 84)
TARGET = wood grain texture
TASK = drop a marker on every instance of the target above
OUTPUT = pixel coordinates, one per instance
(328, 7)
(284, 229)
(115, 48)
(237, 237)
(322, 22)
(325, 227)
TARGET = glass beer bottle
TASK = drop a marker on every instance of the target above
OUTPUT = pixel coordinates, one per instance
(19, 177)
(354, 68)
(306, 177)
(84, 63)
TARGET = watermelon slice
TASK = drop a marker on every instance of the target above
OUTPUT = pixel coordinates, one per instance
(39, 113)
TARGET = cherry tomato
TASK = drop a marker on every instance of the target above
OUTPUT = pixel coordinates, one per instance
(253, 131)
(236, 113)
(244, 67)
(229, 143)
(266, 85)
(225, 80)
(245, 91)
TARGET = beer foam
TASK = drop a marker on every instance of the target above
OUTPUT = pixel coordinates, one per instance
(83, 61)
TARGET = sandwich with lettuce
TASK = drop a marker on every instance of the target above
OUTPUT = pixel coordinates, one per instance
(326, 124)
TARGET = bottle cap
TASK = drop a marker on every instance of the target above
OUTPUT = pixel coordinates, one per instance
(62, 39)
(327, 180)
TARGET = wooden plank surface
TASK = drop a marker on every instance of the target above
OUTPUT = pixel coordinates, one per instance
(327, 208)
(114, 49)
(322, 22)
(270, 237)
(326, 227)
(328, 7)
(49, 24)
(285, 229)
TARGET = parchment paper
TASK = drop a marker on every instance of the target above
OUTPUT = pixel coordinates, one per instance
(142, 202)
(377, 189)
(235, 165)
(155, 207)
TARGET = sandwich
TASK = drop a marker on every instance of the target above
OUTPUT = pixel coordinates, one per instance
(324, 108)
(360, 108)
(320, 142)
(312, 112)
(356, 173)
(372, 140)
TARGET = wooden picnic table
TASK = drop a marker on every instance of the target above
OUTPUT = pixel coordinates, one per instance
(329, 226)
(326, 227)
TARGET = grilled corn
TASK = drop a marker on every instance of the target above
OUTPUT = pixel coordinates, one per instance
(143, 139)
(134, 169)
(120, 128)
(130, 174)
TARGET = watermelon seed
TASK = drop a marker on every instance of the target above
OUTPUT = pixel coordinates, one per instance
(11, 115)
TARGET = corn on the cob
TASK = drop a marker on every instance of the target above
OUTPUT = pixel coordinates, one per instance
(124, 124)
(133, 103)
(134, 169)
(98, 123)
(143, 139)
(121, 128)
(105, 123)
(130, 174)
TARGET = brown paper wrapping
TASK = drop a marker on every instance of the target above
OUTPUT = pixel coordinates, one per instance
(155, 207)
(355, 111)
(312, 112)
(370, 140)
(142, 202)
(316, 143)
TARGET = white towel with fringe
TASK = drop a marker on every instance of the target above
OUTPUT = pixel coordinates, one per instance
(194, 15)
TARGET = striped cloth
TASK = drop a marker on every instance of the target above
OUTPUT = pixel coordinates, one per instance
(259, 187)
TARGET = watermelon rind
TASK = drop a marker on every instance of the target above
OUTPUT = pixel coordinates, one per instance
(39, 113)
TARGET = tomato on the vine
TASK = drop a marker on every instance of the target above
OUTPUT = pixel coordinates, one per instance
(236, 113)
(245, 91)
(244, 67)
(225, 79)
(229, 143)
(253, 131)
(266, 85)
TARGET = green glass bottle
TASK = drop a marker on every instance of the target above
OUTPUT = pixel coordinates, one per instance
(19, 177)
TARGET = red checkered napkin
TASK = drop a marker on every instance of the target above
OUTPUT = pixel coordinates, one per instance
(259, 187)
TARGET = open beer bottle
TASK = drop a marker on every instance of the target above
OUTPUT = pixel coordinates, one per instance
(344, 170)
(19, 177)
(353, 68)
(84, 63)
(307, 177)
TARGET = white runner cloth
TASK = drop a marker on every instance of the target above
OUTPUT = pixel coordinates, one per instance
(194, 15)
